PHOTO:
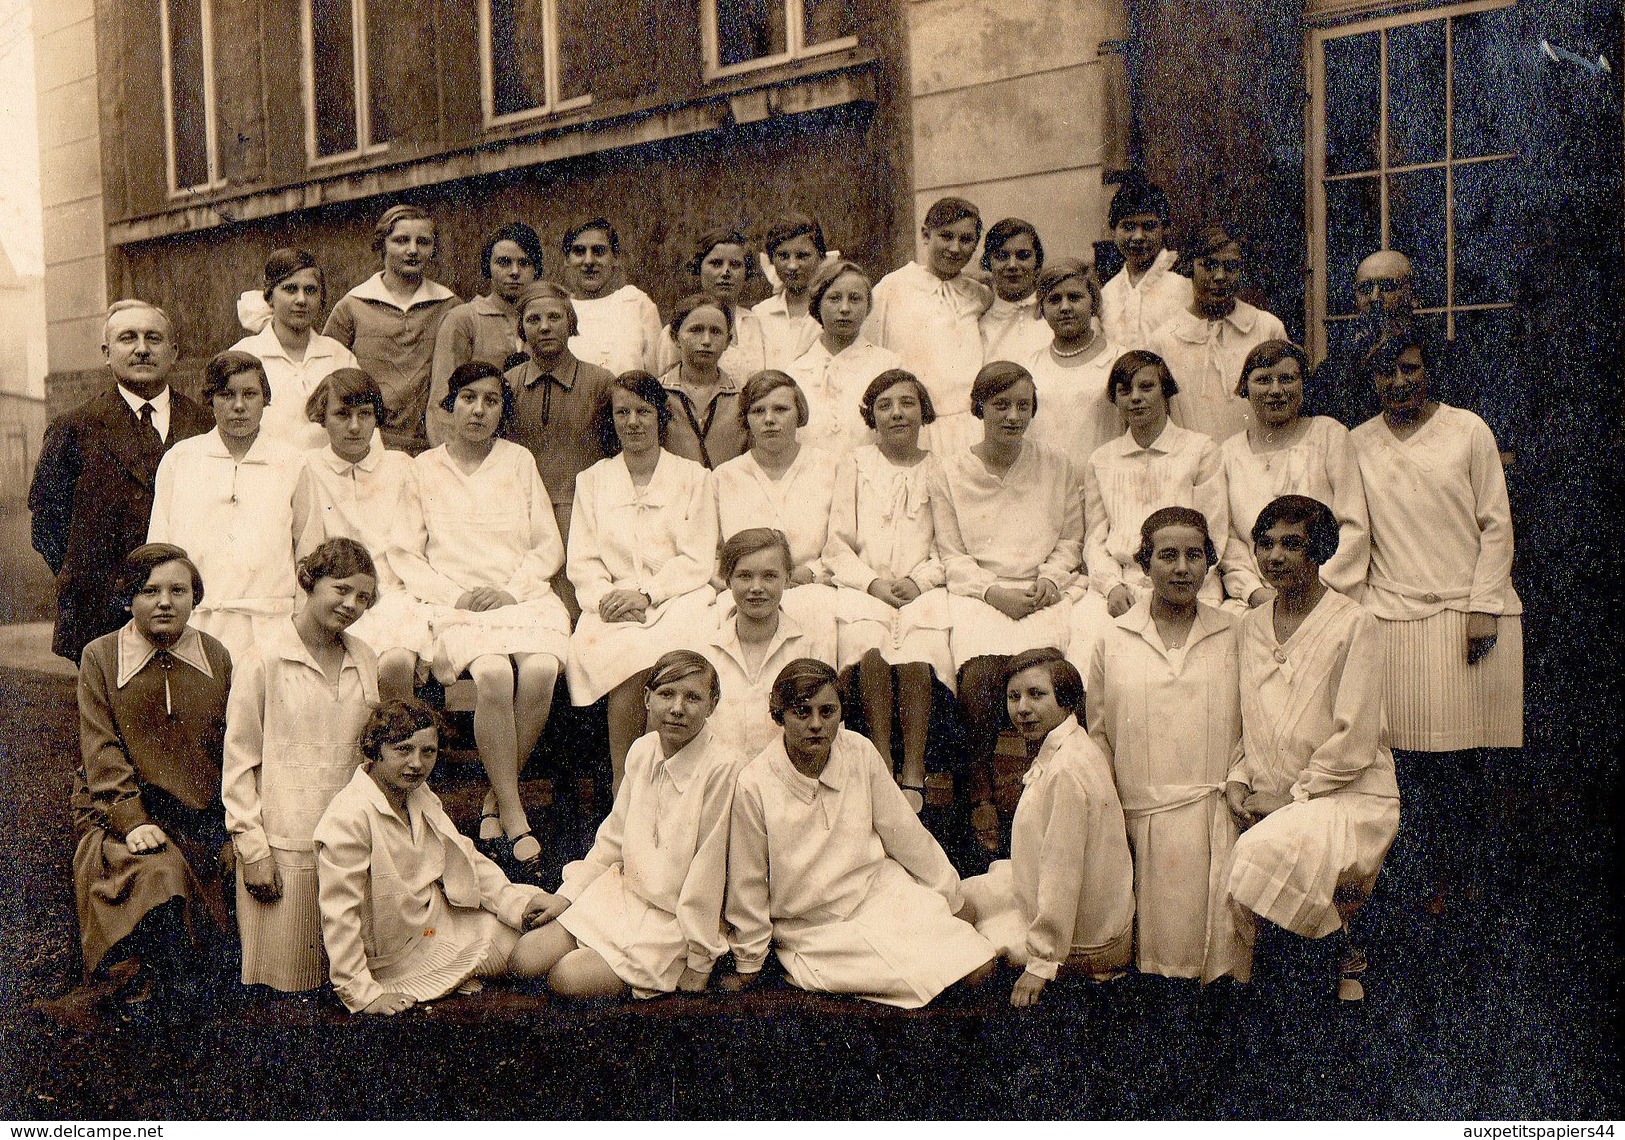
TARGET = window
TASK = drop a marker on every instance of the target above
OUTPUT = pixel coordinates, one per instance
(192, 156)
(344, 99)
(741, 35)
(535, 57)
(1413, 136)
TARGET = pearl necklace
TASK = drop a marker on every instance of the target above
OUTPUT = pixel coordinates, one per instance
(1079, 351)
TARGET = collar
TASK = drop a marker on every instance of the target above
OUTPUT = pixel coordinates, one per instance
(564, 374)
(1053, 743)
(776, 304)
(1001, 309)
(341, 466)
(1199, 330)
(284, 641)
(1162, 445)
(135, 651)
(374, 795)
(803, 788)
(726, 638)
(671, 381)
(160, 402)
(264, 344)
(681, 767)
(1138, 619)
(214, 444)
(429, 292)
(490, 305)
(1163, 263)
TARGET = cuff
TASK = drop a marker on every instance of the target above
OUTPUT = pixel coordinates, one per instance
(748, 965)
(511, 906)
(701, 962)
(126, 815)
(1494, 604)
(252, 847)
(357, 995)
(1041, 969)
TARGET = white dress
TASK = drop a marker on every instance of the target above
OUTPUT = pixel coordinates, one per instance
(290, 746)
(860, 899)
(659, 539)
(933, 325)
(621, 331)
(409, 905)
(1074, 415)
(1013, 330)
(292, 382)
(1008, 530)
(1065, 897)
(339, 499)
(1170, 720)
(1206, 358)
(493, 527)
(880, 526)
(648, 896)
(1311, 716)
(797, 503)
(1322, 465)
(1129, 314)
(1123, 484)
(1441, 548)
(235, 519)
(834, 387)
(741, 719)
(784, 338)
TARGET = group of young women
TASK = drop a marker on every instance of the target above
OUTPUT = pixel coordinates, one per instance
(1191, 601)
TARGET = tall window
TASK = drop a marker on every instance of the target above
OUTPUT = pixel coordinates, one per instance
(344, 99)
(536, 56)
(192, 155)
(744, 34)
(1413, 138)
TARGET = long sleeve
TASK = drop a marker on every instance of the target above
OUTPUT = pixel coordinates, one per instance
(1345, 572)
(1104, 572)
(840, 547)
(964, 575)
(50, 495)
(608, 846)
(696, 535)
(649, 321)
(1063, 563)
(341, 324)
(747, 905)
(160, 528)
(1060, 876)
(109, 773)
(1355, 738)
(1094, 700)
(699, 903)
(453, 345)
(534, 576)
(343, 871)
(498, 894)
(1236, 566)
(586, 568)
(244, 753)
(408, 555)
(1493, 569)
(1211, 495)
(904, 836)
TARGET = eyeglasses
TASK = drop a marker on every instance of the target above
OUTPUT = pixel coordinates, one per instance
(1383, 285)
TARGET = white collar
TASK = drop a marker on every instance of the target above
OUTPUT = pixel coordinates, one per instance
(135, 651)
(372, 289)
(341, 466)
(160, 402)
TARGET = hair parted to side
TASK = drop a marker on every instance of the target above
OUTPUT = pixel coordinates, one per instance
(351, 387)
(1129, 365)
(798, 682)
(575, 231)
(1268, 355)
(395, 721)
(223, 366)
(637, 383)
(710, 239)
(540, 290)
(1058, 271)
(794, 224)
(1300, 510)
(829, 273)
(1172, 516)
(944, 212)
(284, 263)
(335, 558)
(521, 235)
(1063, 675)
(1002, 231)
(997, 377)
(1136, 195)
(888, 379)
(142, 561)
(764, 383)
(680, 664)
(692, 304)
(471, 372)
(128, 304)
(747, 542)
(394, 216)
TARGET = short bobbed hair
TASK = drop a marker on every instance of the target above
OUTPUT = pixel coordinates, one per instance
(710, 239)
(1121, 377)
(764, 383)
(691, 304)
(139, 564)
(1173, 516)
(538, 290)
(1268, 355)
(351, 387)
(1063, 675)
(1383, 356)
(829, 273)
(1315, 517)
(1056, 272)
(1002, 231)
(224, 365)
(335, 558)
(580, 228)
(645, 387)
(997, 377)
(679, 665)
(1137, 194)
(793, 225)
(284, 263)
(395, 721)
(749, 541)
(394, 216)
(798, 682)
(521, 235)
(472, 372)
(944, 212)
(889, 379)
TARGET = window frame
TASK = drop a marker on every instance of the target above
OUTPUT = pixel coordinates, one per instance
(211, 114)
(361, 76)
(1317, 317)
(552, 103)
(795, 49)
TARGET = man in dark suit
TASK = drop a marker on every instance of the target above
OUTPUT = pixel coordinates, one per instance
(92, 490)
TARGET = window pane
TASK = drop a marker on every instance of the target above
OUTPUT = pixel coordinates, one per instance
(1416, 93)
(334, 72)
(749, 29)
(186, 93)
(1488, 77)
(378, 72)
(1353, 230)
(1353, 98)
(826, 20)
(518, 56)
(579, 36)
(1416, 228)
(1487, 215)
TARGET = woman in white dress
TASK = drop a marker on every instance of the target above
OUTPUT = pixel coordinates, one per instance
(1205, 345)
(618, 325)
(891, 609)
(1451, 623)
(1013, 256)
(793, 250)
(721, 265)
(1008, 515)
(860, 899)
(226, 498)
(755, 636)
(1313, 789)
(1063, 903)
(282, 320)
(1165, 704)
(1155, 463)
(1283, 452)
(411, 910)
(927, 312)
(645, 904)
(834, 371)
(643, 538)
(476, 542)
(1071, 366)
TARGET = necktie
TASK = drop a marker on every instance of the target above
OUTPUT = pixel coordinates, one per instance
(146, 420)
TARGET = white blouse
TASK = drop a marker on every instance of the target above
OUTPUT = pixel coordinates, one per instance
(1129, 314)
(741, 719)
(621, 331)
(797, 502)
(834, 387)
(1074, 415)
(932, 325)
(292, 381)
(880, 522)
(1013, 330)
(785, 337)
(336, 498)
(1206, 358)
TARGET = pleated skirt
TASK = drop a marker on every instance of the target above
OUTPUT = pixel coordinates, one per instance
(282, 940)
(1435, 701)
(466, 943)
(1000, 921)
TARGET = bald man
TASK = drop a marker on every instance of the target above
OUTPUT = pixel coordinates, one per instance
(92, 489)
